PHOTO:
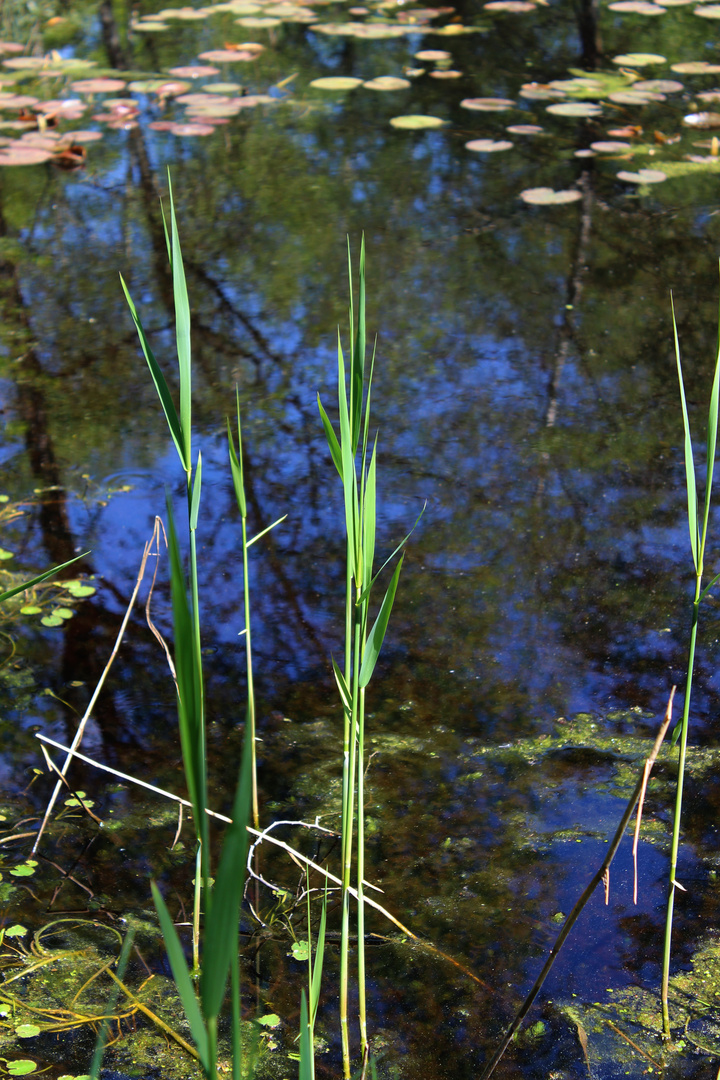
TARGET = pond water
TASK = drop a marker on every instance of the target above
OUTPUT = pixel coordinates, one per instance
(525, 392)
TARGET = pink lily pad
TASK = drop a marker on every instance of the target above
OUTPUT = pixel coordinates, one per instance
(433, 55)
(11, 47)
(610, 147)
(487, 104)
(709, 11)
(194, 71)
(643, 176)
(17, 101)
(637, 7)
(83, 136)
(696, 67)
(660, 86)
(98, 86)
(387, 82)
(229, 56)
(516, 7)
(445, 73)
(192, 129)
(29, 155)
(62, 106)
(488, 146)
(524, 129)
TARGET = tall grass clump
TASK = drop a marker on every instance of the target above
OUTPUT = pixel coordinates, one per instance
(698, 526)
(356, 464)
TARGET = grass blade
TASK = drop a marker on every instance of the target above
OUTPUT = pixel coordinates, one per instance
(369, 519)
(317, 970)
(377, 634)
(182, 330)
(306, 1054)
(689, 463)
(41, 577)
(227, 892)
(331, 439)
(158, 378)
(195, 501)
(342, 686)
(236, 462)
(176, 956)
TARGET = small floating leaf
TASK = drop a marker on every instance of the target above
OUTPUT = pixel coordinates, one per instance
(634, 97)
(696, 67)
(31, 609)
(544, 196)
(487, 104)
(16, 930)
(194, 71)
(610, 147)
(27, 1031)
(488, 146)
(709, 11)
(574, 108)
(524, 129)
(514, 6)
(416, 121)
(702, 120)
(637, 7)
(271, 1020)
(300, 950)
(48, 620)
(63, 612)
(20, 1067)
(336, 82)
(660, 86)
(387, 82)
(643, 176)
(5, 554)
(640, 59)
(229, 56)
(445, 73)
(97, 86)
(433, 55)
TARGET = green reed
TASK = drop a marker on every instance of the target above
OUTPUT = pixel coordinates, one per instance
(362, 645)
(698, 527)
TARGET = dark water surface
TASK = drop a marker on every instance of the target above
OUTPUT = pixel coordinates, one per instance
(525, 390)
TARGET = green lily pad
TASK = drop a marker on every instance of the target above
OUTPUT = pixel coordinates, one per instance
(415, 122)
(78, 589)
(336, 82)
(487, 104)
(16, 931)
(20, 1067)
(574, 108)
(640, 59)
(271, 1020)
(5, 554)
(387, 82)
(50, 620)
(30, 609)
(221, 88)
(544, 196)
(300, 950)
(27, 1031)
(150, 26)
(63, 612)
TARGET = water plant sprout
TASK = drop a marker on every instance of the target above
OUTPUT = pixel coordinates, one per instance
(698, 528)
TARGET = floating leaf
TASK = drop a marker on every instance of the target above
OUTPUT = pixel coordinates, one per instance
(98, 86)
(271, 1020)
(696, 67)
(16, 930)
(257, 22)
(77, 589)
(26, 869)
(643, 176)
(584, 153)
(194, 71)
(709, 11)
(660, 86)
(5, 554)
(610, 147)
(20, 1067)
(336, 82)
(641, 59)
(416, 121)
(634, 97)
(445, 73)
(48, 620)
(31, 609)
(544, 196)
(487, 104)
(514, 6)
(221, 88)
(387, 82)
(150, 26)
(637, 7)
(574, 108)
(17, 101)
(539, 92)
(229, 56)
(488, 146)
(435, 55)
(524, 129)
(300, 950)
(702, 120)
(63, 612)
(27, 1031)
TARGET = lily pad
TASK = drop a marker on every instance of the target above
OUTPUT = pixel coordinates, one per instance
(637, 7)
(539, 92)
(433, 55)
(30, 609)
(49, 620)
(516, 7)
(488, 146)
(98, 86)
(387, 82)
(524, 129)
(702, 120)
(27, 1031)
(194, 71)
(544, 196)
(415, 122)
(445, 73)
(20, 1067)
(643, 176)
(222, 88)
(641, 59)
(17, 101)
(258, 22)
(574, 108)
(634, 97)
(229, 56)
(610, 147)
(17, 155)
(150, 26)
(696, 67)
(709, 11)
(336, 82)
(487, 104)
(660, 86)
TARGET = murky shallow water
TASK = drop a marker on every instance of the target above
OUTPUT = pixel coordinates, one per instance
(525, 389)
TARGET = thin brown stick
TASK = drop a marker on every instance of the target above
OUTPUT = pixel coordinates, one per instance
(91, 705)
(590, 889)
(634, 1045)
(641, 802)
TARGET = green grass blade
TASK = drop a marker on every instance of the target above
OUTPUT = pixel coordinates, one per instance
(227, 893)
(317, 970)
(712, 430)
(189, 690)
(331, 437)
(357, 367)
(168, 243)
(377, 634)
(163, 391)
(182, 978)
(348, 474)
(341, 681)
(182, 330)
(236, 462)
(369, 519)
(195, 501)
(390, 558)
(41, 577)
(259, 536)
(306, 1053)
(689, 463)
